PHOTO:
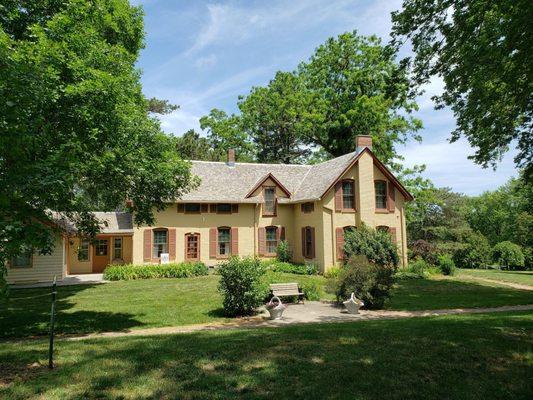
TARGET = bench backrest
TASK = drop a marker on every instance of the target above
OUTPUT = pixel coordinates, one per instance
(284, 289)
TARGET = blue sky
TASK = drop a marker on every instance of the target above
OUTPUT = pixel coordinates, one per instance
(204, 54)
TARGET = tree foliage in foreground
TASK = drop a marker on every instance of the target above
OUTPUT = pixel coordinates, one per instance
(75, 133)
(482, 51)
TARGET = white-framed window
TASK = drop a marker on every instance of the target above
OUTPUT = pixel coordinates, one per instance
(381, 194)
(348, 195)
(271, 233)
(224, 241)
(117, 248)
(83, 250)
(160, 243)
(269, 194)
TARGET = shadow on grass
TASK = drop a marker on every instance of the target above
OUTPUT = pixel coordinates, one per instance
(26, 312)
(432, 294)
(444, 357)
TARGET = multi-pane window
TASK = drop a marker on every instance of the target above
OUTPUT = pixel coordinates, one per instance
(83, 250)
(271, 239)
(192, 208)
(100, 247)
(381, 194)
(117, 248)
(383, 228)
(192, 242)
(224, 241)
(348, 193)
(160, 243)
(23, 260)
(270, 200)
(308, 249)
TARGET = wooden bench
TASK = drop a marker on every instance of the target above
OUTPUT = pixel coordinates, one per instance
(287, 290)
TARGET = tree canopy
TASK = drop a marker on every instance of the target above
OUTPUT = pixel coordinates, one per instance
(482, 51)
(76, 134)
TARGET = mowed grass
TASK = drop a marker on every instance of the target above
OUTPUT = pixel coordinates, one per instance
(440, 292)
(121, 305)
(482, 356)
(520, 277)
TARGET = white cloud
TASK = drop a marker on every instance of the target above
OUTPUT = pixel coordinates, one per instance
(206, 62)
(180, 121)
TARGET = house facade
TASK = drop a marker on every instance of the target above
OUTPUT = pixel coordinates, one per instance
(246, 209)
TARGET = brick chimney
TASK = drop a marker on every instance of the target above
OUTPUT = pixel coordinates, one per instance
(231, 157)
(362, 141)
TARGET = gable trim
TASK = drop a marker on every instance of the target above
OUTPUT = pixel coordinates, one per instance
(263, 180)
(408, 196)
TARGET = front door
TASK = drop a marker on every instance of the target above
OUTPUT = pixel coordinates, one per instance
(100, 255)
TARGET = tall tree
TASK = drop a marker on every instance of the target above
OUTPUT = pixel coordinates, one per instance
(279, 118)
(482, 51)
(192, 146)
(225, 132)
(359, 89)
(75, 129)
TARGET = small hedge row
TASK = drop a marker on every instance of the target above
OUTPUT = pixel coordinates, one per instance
(175, 270)
(287, 267)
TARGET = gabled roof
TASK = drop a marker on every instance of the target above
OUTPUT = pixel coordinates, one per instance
(223, 183)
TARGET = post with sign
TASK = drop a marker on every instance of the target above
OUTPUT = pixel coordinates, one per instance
(165, 258)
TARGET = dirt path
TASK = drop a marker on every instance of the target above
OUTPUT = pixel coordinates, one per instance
(519, 286)
(308, 313)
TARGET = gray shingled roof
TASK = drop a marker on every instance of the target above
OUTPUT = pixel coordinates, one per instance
(221, 182)
(110, 222)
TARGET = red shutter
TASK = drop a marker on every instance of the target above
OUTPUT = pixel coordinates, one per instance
(234, 208)
(338, 196)
(392, 197)
(281, 233)
(147, 256)
(392, 232)
(312, 242)
(181, 207)
(172, 243)
(261, 238)
(303, 242)
(339, 240)
(212, 242)
(234, 241)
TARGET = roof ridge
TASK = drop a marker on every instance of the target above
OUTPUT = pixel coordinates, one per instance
(246, 163)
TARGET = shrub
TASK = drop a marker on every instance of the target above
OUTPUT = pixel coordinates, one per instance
(474, 252)
(423, 249)
(332, 273)
(369, 281)
(312, 290)
(508, 255)
(241, 285)
(299, 269)
(376, 246)
(173, 270)
(283, 251)
(446, 264)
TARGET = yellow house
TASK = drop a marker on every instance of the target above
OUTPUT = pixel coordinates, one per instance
(245, 209)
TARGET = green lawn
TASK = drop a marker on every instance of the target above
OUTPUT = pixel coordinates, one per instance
(123, 305)
(521, 277)
(439, 293)
(482, 356)
(120, 305)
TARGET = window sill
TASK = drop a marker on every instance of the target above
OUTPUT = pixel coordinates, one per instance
(223, 257)
(382, 211)
(349, 210)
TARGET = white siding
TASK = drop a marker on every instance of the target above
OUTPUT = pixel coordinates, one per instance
(44, 267)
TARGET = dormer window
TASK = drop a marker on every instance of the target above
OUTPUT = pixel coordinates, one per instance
(269, 195)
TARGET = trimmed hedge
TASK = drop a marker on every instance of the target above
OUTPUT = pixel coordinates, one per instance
(129, 272)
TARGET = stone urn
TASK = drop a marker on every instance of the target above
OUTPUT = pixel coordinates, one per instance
(353, 304)
(275, 307)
